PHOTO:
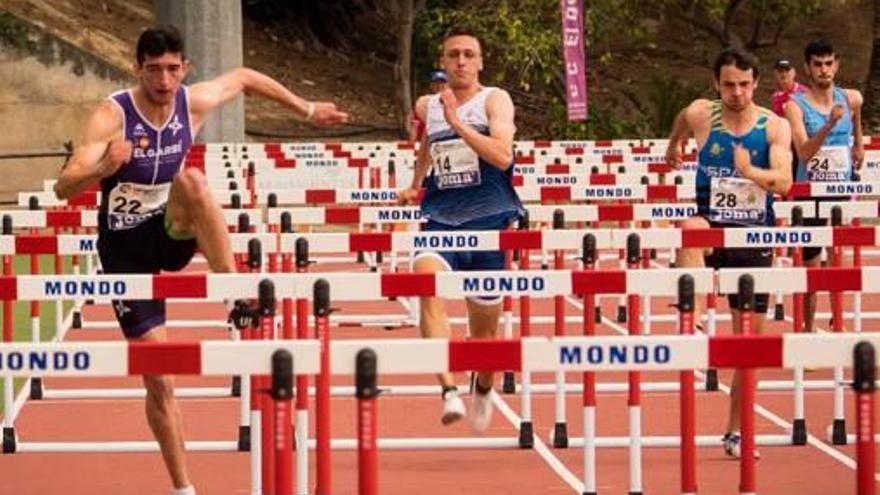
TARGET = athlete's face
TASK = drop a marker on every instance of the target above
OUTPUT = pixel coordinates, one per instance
(784, 78)
(822, 69)
(161, 76)
(463, 60)
(736, 87)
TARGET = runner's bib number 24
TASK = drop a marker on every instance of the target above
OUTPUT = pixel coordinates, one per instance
(830, 164)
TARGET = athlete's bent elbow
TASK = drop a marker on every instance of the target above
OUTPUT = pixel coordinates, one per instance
(503, 161)
(60, 192)
(783, 186)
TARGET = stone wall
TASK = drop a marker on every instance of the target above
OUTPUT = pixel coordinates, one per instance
(47, 90)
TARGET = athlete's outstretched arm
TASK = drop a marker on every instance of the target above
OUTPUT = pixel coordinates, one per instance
(777, 179)
(98, 154)
(497, 147)
(207, 96)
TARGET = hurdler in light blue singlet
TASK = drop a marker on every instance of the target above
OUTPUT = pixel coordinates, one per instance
(833, 161)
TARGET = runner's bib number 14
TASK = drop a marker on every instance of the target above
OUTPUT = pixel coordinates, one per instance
(456, 165)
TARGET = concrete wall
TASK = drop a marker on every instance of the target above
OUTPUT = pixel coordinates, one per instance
(47, 90)
(212, 29)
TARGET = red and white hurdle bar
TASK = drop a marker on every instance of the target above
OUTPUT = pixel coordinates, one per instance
(569, 239)
(393, 214)
(628, 192)
(586, 354)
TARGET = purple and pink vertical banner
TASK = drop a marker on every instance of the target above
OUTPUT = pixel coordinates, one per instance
(575, 58)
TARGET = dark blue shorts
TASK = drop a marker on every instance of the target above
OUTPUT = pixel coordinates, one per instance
(466, 261)
(146, 248)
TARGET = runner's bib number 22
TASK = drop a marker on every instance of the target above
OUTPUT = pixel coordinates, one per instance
(132, 204)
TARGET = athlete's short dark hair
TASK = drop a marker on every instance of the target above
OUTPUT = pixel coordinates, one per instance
(742, 59)
(818, 48)
(463, 31)
(158, 41)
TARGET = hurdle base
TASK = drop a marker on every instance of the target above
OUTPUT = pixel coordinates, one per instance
(560, 436)
(244, 438)
(621, 314)
(509, 384)
(799, 432)
(526, 435)
(36, 389)
(838, 432)
(779, 312)
(635, 493)
(711, 380)
(77, 321)
(236, 386)
(9, 446)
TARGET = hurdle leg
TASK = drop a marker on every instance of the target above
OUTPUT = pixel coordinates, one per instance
(281, 394)
(508, 384)
(634, 409)
(367, 394)
(588, 400)
(687, 393)
(711, 328)
(560, 428)
(526, 428)
(864, 376)
(8, 384)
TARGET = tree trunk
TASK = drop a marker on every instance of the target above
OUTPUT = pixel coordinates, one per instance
(871, 108)
(406, 12)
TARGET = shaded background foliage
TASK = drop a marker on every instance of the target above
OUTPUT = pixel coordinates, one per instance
(645, 59)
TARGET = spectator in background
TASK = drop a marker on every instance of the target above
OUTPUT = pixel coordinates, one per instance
(785, 85)
(416, 126)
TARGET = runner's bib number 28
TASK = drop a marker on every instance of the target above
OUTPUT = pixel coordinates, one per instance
(456, 165)
(132, 204)
(737, 200)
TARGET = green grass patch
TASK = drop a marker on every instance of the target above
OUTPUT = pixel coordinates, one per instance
(21, 310)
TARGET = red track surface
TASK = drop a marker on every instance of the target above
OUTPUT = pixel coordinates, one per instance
(781, 470)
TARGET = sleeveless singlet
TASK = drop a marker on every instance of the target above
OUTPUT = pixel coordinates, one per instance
(833, 161)
(722, 195)
(464, 189)
(139, 190)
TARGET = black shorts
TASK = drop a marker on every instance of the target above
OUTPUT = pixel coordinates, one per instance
(742, 258)
(810, 253)
(146, 248)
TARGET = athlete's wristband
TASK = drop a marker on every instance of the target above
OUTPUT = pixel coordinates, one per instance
(310, 111)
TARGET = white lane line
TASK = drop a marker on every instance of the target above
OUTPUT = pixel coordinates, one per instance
(767, 414)
(540, 447)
